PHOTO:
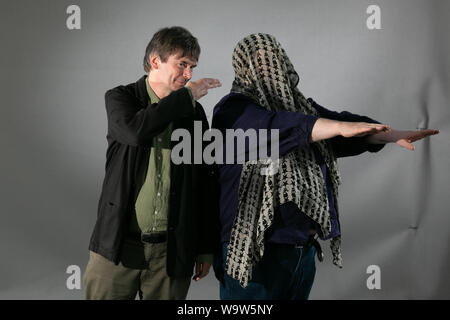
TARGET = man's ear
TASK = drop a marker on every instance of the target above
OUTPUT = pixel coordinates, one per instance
(155, 61)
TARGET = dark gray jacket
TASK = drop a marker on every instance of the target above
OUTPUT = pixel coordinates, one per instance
(193, 203)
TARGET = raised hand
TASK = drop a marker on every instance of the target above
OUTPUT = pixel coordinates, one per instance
(360, 129)
(200, 87)
(406, 138)
(403, 138)
(326, 129)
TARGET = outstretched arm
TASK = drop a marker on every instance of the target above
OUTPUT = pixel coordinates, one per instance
(326, 129)
(401, 137)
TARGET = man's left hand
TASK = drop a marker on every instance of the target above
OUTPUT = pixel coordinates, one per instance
(201, 270)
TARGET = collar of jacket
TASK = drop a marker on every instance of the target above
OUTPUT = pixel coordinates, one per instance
(141, 91)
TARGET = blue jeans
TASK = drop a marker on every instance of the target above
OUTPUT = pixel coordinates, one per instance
(284, 273)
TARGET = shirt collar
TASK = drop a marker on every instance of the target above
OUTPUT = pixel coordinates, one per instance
(152, 95)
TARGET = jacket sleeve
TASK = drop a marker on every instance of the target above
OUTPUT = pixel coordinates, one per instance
(294, 128)
(345, 147)
(129, 123)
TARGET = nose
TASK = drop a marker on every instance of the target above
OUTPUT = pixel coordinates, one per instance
(187, 73)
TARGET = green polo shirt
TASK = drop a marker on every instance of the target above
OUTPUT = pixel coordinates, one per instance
(152, 203)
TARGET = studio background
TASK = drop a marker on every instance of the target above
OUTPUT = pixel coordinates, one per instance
(393, 204)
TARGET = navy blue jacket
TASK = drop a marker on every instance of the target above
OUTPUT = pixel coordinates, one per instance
(236, 111)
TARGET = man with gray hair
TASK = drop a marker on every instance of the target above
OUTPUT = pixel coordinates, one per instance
(156, 219)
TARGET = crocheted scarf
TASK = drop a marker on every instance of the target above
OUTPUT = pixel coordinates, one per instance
(264, 73)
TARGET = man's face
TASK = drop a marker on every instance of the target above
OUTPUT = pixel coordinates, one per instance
(175, 72)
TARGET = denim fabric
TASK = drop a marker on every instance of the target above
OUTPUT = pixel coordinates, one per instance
(284, 273)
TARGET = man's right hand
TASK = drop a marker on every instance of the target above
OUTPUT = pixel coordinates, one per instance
(199, 88)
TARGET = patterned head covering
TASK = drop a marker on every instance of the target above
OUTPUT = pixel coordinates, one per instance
(264, 73)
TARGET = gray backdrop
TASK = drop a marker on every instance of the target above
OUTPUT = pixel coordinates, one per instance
(394, 204)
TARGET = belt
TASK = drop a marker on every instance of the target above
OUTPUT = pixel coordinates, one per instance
(156, 237)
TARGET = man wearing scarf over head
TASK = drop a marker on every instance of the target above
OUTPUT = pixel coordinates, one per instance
(270, 223)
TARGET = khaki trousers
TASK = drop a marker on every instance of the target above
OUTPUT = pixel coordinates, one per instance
(142, 271)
